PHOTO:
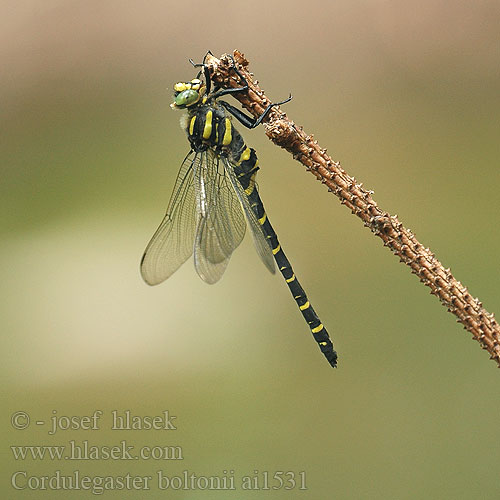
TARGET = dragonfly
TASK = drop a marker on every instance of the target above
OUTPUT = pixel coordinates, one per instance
(215, 197)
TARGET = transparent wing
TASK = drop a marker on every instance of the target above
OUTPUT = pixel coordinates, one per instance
(221, 224)
(172, 243)
(261, 244)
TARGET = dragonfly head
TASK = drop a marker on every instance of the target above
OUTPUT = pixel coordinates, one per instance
(187, 94)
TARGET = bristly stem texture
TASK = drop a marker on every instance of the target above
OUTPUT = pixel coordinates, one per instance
(401, 241)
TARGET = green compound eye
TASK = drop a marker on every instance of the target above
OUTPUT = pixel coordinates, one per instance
(186, 98)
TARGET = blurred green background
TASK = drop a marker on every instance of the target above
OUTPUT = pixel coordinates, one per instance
(406, 96)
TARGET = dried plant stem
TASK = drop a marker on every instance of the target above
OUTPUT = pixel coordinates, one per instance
(422, 262)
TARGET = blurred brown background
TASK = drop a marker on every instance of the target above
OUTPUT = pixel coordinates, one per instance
(406, 96)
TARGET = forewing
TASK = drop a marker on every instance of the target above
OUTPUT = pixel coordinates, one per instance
(261, 244)
(221, 224)
(172, 243)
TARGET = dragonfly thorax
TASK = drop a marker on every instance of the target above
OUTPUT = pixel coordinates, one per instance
(208, 126)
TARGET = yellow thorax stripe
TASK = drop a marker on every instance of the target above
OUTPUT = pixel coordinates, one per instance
(228, 136)
(207, 130)
(191, 125)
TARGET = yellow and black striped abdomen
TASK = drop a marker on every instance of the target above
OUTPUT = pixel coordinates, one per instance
(317, 328)
(245, 163)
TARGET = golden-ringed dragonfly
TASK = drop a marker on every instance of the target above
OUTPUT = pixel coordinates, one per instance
(214, 193)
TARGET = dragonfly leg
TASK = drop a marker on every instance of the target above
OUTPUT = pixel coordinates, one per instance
(204, 70)
(249, 121)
